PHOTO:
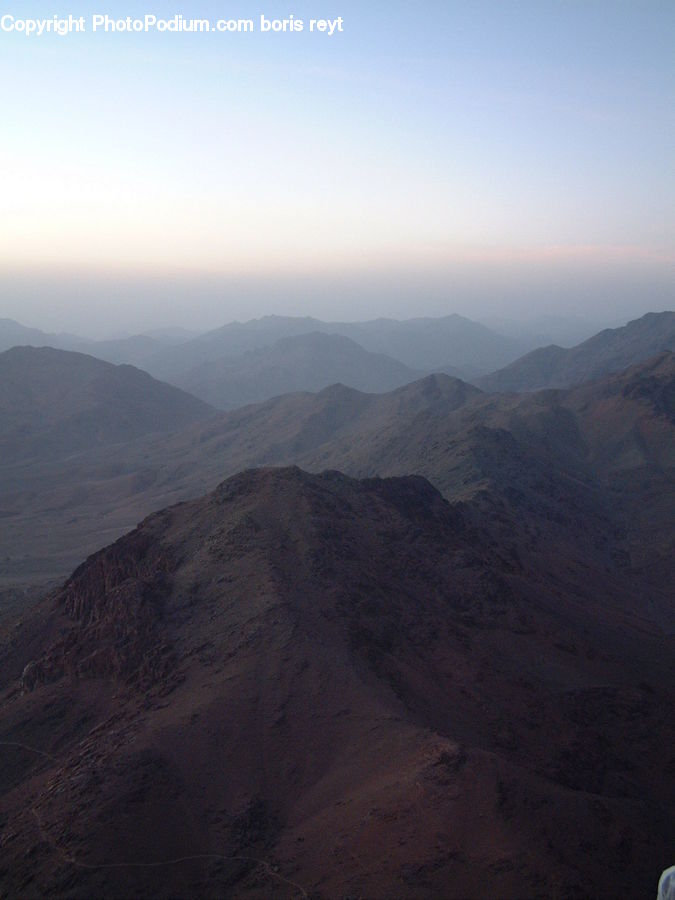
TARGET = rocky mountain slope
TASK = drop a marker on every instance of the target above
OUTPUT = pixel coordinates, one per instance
(609, 351)
(312, 686)
(571, 482)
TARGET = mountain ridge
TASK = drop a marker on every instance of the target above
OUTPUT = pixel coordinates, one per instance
(57, 402)
(608, 351)
(568, 479)
(306, 362)
(343, 682)
(421, 344)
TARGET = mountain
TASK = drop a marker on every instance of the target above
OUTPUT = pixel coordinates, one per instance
(422, 344)
(307, 362)
(53, 513)
(13, 334)
(609, 351)
(131, 349)
(431, 343)
(54, 403)
(452, 343)
(576, 485)
(310, 685)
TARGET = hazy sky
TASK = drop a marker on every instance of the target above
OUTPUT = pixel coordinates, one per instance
(472, 156)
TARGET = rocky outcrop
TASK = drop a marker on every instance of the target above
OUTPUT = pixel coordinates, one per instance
(115, 604)
(316, 685)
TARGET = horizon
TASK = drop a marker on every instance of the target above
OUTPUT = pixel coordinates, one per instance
(493, 160)
(534, 326)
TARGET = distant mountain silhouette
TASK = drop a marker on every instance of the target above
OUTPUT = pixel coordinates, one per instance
(421, 344)
(307, 362)
(133, 349)
(432, 343)
(54, 403)
(309, 685)
(13, 334)
(609, 351)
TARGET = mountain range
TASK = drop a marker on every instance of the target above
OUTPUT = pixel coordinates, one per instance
(307, 362)
(171, 354)
(249, 362)
(583, 471)
(420, 344)
(418, 643)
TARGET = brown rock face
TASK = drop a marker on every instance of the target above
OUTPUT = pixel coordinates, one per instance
(309, 685)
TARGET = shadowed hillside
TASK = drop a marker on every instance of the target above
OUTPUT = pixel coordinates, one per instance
(54, 403)
(306, 685)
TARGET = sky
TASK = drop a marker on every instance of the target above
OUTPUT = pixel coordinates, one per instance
(505, 158)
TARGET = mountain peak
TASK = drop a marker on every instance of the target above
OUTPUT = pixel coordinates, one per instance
(255, 677)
